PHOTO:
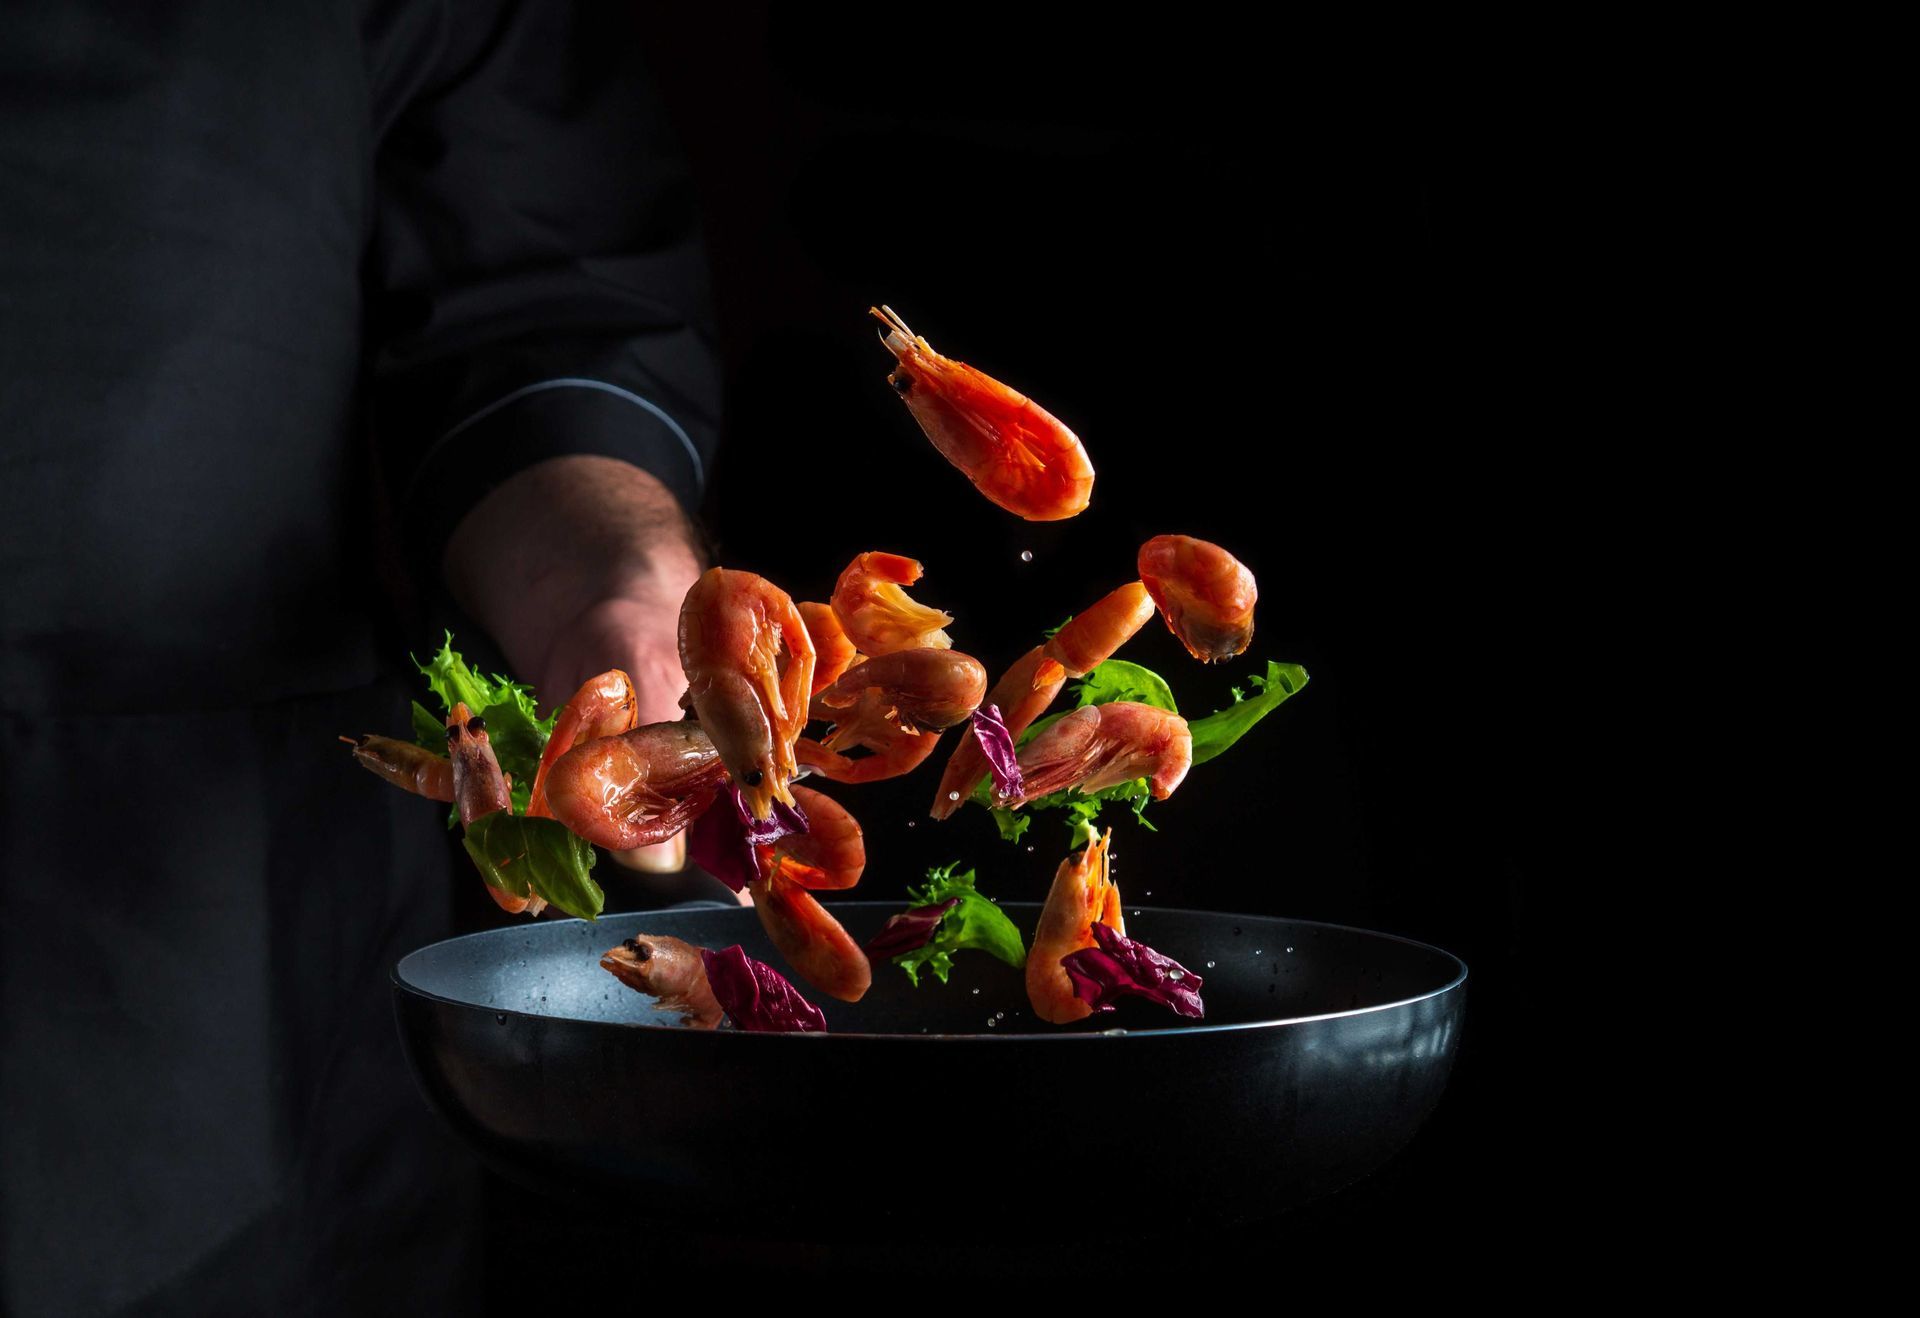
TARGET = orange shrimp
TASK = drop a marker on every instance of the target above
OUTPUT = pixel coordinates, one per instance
(928, 688)
(877, 615)
(811, 940)
(1012, 449)
(1088, 640)
(671, 973)
(479, 788)
(604, 706)
(749, 666)
(638, 787)
(1101, 745)
(832, 853)
(407, 766)
(1083, 894)
(833, 652)
(893, 706)
(1205, 594)
(895, 751)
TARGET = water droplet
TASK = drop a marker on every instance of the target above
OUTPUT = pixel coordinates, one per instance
(1212, 964)
(953, 796)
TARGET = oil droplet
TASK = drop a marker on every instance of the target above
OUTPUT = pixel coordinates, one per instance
(999, 1015)
(1212, 964)
(1176, 976)
(1256, 951)
(953, 796)
(1026, 556)
(1113, 1031)
(500, 1017)
(911, 822)
(1136, 915)
(976, 993)
(1029, 850)
(1289, 949)
(991, 1022)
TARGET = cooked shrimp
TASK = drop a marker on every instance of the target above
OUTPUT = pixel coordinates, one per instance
(893, 707)
(895, 751)
(811, 940)
(877, 615)
(671, 973)
(749, 666)
(928, 688)
(407, 766)
(832, 853)
(1100, 745)
(604, 706)
(833, 652)
(479, 788)
(1083, 894)
(636, 788)
(1088, 640)
(1012, 449)
(1205, 594)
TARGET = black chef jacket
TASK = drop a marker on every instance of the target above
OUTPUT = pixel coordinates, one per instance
(256, 261)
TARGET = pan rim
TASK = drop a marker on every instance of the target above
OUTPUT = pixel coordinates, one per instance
(1458, 979)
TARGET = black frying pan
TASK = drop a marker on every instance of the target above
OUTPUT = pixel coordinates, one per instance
(1323, 1050)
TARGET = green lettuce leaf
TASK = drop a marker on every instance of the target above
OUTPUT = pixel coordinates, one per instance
(517, 734)
(1216, 732)
(1116, 679)
(536, 858)
(975, 922)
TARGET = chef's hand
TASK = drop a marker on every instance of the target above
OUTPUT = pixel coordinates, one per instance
(577, 565)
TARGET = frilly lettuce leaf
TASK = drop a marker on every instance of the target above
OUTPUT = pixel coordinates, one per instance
(974, 922)
(536, 858)
(517, 734)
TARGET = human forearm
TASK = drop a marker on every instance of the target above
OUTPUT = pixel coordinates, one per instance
(575, 565)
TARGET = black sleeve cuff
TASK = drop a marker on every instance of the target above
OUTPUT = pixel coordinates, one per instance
(547, 419)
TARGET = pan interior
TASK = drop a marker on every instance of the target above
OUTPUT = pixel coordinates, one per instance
(1255, 969)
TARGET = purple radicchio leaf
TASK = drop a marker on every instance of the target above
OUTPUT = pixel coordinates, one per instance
(1120, 966)
(997, 742)
(910, 930)
(755, 995)
(722, 841)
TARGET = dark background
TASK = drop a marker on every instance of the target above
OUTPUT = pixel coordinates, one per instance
(1301, 297)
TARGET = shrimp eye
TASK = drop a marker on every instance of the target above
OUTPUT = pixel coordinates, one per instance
(453, 731)
(901, 381)
(476, 724)
(755, 777)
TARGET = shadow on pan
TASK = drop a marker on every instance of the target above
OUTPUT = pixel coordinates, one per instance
(1323, 1050)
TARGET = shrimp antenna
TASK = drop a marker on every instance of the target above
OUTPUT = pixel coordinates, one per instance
(892, 319)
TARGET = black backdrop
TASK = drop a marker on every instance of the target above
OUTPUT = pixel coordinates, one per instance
(1295, 297)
